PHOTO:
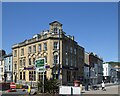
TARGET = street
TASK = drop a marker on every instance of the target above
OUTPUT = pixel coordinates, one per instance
(110, 91)
(18, 93)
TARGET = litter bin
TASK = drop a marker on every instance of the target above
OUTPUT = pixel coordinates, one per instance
(76, 83)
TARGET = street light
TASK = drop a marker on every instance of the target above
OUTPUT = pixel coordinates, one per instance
(31, 77)
(59, 57)
(15, 76)
(5, 75)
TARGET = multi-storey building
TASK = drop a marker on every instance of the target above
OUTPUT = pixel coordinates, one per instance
(1, 70)
(86, 68)
(8, 67)
(57, 48)
(100, 69)
(117, 68)
(96, 68)
(2, 53)
(109, 73)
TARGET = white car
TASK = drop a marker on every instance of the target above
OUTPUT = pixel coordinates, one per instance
(33, 91)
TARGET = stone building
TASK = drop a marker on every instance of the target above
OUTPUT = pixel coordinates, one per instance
(96, 68)
(2, 54)
(8, 67)
(86, 68)
(57, 48)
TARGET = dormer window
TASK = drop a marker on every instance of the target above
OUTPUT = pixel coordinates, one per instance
(55, 30)
(55, 27)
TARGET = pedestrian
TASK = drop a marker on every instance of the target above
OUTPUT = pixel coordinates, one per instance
(103, 86)
(86, 86)
(29, 89)
(81, 87)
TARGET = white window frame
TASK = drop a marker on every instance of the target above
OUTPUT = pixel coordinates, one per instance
(34, 48)
(39, 47)
(45, 46)
(56, 59)
(55, 45)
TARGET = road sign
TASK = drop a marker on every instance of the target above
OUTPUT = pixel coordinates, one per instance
(40, 65)
(29, 68)
(40, 62)
(47, 66)
(40, 69)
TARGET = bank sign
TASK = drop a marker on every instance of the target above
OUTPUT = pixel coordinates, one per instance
(40, 65)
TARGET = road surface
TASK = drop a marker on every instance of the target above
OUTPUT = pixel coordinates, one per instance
(110, 91)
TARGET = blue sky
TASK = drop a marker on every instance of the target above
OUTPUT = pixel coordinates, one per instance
(94, 25)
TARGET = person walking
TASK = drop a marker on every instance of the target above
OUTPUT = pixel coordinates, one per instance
(29, 89)
(81, 87)
(103, 86)
(86, 86)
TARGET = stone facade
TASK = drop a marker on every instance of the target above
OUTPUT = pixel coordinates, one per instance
(46, 45)
(86, 68)
(96, 68)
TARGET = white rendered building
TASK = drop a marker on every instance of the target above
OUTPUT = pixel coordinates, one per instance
(109, 73)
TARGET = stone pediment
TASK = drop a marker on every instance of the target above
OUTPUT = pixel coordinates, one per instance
(55, 23)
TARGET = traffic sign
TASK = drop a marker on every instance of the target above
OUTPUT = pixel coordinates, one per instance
(40, 62)
(40, 70)
(29, 68)
(40, 65)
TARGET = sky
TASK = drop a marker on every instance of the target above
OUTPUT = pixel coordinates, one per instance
(94, 25)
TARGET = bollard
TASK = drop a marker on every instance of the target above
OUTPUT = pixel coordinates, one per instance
(71, 91)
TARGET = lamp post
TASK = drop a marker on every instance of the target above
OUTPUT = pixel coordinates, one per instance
(15, 76)
(5, 75)
(31, 77)
(59, 57)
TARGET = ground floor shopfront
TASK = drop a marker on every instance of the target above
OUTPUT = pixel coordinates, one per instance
(66, 77)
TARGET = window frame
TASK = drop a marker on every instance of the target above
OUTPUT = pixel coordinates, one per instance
(34, 48)
(56, 59)
(29, 61)
(21, 63)
(29, 49)
(45, 46)
(20, 75)
(22, 51)
(55, 45)
(24, 75)
(39, 47)
(33, 60)
(15, 53)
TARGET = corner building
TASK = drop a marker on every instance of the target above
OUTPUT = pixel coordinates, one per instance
(46, 45)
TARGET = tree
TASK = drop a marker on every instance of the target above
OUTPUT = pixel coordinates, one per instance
(50, 86)
(114, 63)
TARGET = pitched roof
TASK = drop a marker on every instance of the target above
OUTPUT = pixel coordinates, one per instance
(55, 22)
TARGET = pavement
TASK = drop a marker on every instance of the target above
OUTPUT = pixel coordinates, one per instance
(109, 86)
(99, 85)
(110, 91)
